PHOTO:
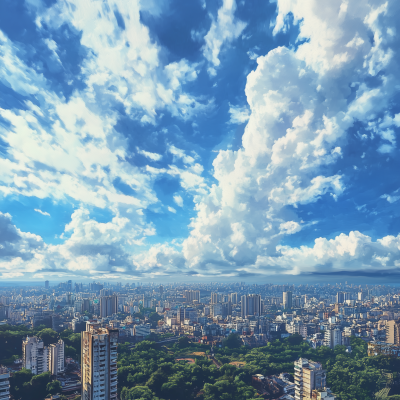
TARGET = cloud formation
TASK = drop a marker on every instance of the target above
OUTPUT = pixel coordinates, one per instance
(304, 103)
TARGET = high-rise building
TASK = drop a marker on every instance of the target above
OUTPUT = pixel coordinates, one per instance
(4, 384)
(86, 305)
(333, 337)
(56, 358)
(46, 284)
(147, 302)
(214, 298)
(393, 332)
(308, 375)
(340, 297)
(234, 298)
(99, 362)
(34, 355)
(69, 285)
(192, 295)
(287, 300)
(251, 305)
(108, 306)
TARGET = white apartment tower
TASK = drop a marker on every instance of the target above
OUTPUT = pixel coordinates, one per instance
(287, 300)
(56, 358)
(4, 384)
(333, 337)
(308, 375)
(99, 362)
(34, 355)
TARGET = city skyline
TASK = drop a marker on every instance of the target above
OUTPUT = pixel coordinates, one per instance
(221, 141)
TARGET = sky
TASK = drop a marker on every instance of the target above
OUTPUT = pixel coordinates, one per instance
(199, 140)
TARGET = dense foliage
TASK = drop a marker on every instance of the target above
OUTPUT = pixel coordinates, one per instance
(152, 373)
(11, 338)
(25, 386)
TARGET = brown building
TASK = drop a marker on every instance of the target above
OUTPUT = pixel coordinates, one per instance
(393, 332)
(99, 362)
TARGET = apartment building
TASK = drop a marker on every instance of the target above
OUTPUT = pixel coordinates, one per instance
(308, 376)
(393, 332)
(332, 337)
(35, 355)
(56, 358)
(99, 362)
(4, 384)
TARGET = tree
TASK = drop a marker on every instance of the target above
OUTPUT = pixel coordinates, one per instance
(48, 336)
(233, 341)
(138, 392)
(295, 339)
(53, 387)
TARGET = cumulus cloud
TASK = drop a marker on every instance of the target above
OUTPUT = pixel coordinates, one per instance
(223, 30)
(16, 245)
(42, 212)
(178, 200)
(124, 64)
(171, 209)
(301, 103)
(300, 114)
(239, 115)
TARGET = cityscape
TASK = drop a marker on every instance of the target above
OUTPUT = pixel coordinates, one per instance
(199, 199)
(78, 339)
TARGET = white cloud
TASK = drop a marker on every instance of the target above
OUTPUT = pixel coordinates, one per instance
(124, 64)
(42, 212)
(148, 154)
(392, 198)
(171, 209)
(239, 115)
(289, 227)
(178, 200)
(223, 30)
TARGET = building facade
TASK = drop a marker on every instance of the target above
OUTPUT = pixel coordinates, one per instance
(56, 358)
(287, 300)
(4, 384)
(99, 362)
(393, 332)
(333, 337)
(34, 355)
(108, 306)
(308, 376)
(251, 305)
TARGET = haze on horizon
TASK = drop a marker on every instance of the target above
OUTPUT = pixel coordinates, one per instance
(175, 140)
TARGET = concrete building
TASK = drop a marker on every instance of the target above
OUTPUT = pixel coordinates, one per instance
(4, 384)
(192, 295)
(56, 358)
(393, 332)
(234, 298)
(108, 306)
(308, 375)
(251, 305)
(287, 300)
(383, 348)
(214, 298)
(99, 362)
(322, 394)
(142, 331)
(34, 355)
(333, 337)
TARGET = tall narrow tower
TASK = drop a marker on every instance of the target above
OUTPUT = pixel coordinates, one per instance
(99, 362)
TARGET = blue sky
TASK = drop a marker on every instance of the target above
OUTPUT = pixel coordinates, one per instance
(199, 140)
